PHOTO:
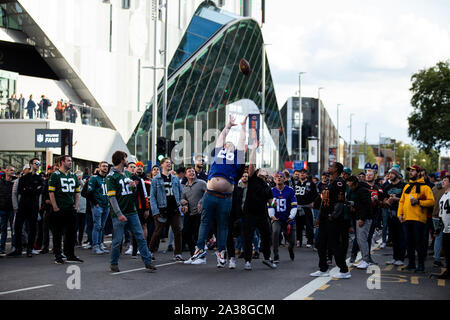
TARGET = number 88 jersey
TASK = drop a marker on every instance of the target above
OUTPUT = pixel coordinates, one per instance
(64, 186)
(117, 185)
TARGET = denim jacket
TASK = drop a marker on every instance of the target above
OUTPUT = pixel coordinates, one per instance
(158, 194)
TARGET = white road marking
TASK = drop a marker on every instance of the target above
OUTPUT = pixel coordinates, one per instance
(311, 287)
(26, 289)
(139, 269)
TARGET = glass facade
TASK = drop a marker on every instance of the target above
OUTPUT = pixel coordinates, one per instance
(210, 80)
(11, 16)
(328, 132)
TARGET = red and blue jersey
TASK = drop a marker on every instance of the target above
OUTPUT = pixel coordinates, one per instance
(285, 201)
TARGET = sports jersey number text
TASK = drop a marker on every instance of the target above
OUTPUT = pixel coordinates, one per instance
(445, 207)
(68, 184)
(223, 154)
(300, 190)
(281, 205)
(168, 189)
(125, 188)
(105, 192)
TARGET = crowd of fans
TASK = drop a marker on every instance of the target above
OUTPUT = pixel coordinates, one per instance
(21, 108)
(259, 213)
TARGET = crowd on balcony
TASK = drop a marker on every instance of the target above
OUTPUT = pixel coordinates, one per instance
(21, 108)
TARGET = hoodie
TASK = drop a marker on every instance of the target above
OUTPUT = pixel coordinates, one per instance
(419, 190)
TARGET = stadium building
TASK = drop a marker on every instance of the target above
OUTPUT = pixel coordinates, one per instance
(99, 55)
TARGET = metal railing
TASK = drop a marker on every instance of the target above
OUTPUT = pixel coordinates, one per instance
(79, 114)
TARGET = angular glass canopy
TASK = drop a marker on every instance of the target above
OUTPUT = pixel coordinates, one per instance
(203, 83)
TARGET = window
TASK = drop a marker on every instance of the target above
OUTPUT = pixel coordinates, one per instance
(125, 4)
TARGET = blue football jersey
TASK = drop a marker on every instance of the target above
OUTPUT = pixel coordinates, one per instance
(226, 164)
(285, 201)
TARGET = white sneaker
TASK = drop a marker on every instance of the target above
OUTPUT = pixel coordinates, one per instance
(129, 251)
(221, 259)
(232, 263)
(357, 263)
(309, 246)
(199, 261)
(248, 266)
(390, 262)
(199, 253)
(205, 248)
(362, 265)
(87, 246)
(319, 273)
(34, 252)
(188, 261)
(383, 245)
(399, 263)
(341, 275)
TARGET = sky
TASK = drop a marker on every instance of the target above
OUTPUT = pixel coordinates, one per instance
(363, 53)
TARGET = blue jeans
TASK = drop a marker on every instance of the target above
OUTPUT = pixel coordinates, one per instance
(220, 209)
(316, 230)
(256, 240)
(437, 241)
(385, 216)
(99, 215)
(5, 217)
(136, 229)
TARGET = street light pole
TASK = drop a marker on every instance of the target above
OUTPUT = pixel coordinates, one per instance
(300, 116)
(338, 136)
(365, 142)
(350, 153)
(164, 132)
(155, 90)
(263, 102)
(319, 136)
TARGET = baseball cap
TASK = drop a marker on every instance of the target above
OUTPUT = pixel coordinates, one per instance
(414, 167)
(347, 170)
(139, 163)
(27, 166)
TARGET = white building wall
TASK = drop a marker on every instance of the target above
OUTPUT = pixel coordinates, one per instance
(80, 30)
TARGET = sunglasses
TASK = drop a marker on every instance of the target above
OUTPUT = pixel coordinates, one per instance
(37, 163)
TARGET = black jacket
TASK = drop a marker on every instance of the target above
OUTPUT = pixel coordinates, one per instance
(30, 187)
(6, 195)
(258, 193)
(363, 203)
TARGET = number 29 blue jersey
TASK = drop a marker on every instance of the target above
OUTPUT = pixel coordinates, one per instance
(285, 201)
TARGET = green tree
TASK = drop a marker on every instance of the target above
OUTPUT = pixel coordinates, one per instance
(429, 122)
(370, 156)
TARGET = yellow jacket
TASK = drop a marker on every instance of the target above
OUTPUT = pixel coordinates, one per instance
(426, 199)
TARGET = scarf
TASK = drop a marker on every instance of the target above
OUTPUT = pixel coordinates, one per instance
(417, 185)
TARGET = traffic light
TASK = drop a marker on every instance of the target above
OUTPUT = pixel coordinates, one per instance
(161, 148)
(170, 145)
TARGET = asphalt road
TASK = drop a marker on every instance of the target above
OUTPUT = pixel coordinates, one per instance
(39, 278)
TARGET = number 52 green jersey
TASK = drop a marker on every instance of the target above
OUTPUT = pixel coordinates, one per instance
(117, 185)
(64, 186)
